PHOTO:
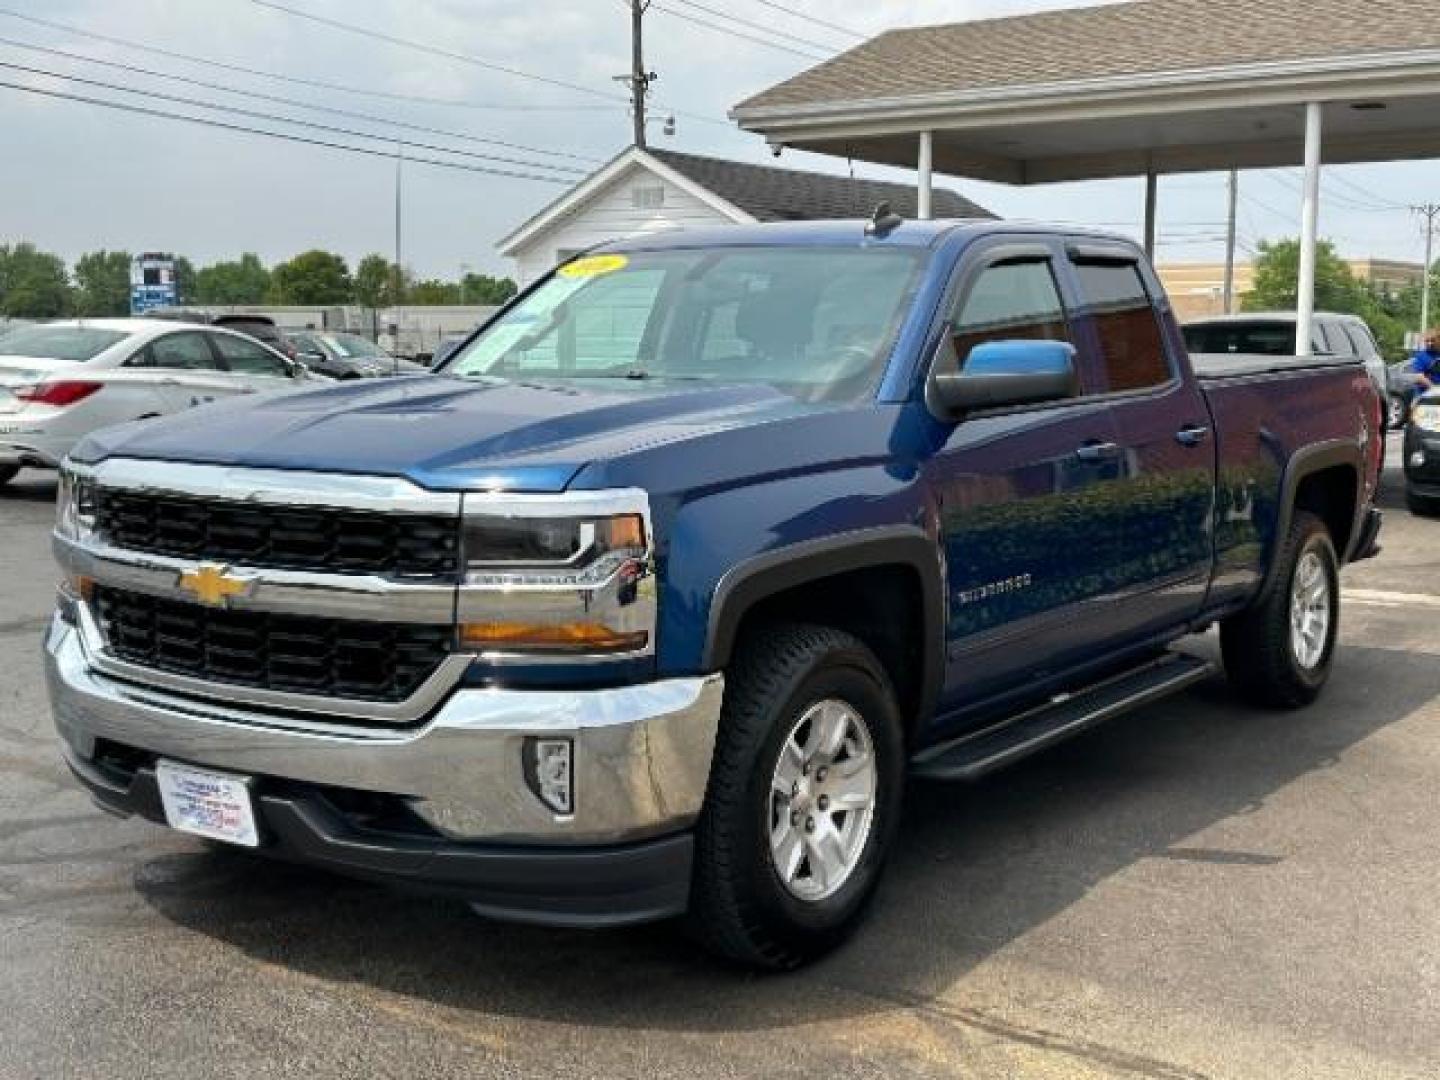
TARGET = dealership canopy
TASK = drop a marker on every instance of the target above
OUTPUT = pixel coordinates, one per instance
(1133, 89)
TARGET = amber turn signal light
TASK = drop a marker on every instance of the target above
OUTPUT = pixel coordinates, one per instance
(554, 637)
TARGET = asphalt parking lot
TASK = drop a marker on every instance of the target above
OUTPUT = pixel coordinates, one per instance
(1198, 890)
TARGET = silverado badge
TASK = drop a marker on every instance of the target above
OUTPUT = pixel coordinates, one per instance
(212, 585)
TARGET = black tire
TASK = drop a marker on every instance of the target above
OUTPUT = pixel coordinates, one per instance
(739, 906)
(1258, 644)
(1421, 505)
(8, 473)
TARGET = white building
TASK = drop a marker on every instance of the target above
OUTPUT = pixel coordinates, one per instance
(649, 190)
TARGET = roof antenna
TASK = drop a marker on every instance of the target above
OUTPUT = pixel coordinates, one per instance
(883, 222)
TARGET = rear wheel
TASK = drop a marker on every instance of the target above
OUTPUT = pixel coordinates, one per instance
(8, 473)
(803, 800)
(1278, 653)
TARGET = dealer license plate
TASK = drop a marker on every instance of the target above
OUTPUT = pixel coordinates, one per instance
(216, 805)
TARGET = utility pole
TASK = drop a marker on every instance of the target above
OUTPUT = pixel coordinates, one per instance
(1234, 190)
(399, 274)
(1431, 213)
(639, 80)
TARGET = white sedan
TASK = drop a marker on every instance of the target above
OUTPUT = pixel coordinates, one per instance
(62, 380)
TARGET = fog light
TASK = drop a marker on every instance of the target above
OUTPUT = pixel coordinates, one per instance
(1417, 458)
(550, 772)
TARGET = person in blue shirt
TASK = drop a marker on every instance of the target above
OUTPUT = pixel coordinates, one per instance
(1426, 362)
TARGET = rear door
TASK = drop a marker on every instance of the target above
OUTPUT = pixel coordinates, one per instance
(186, 370)
(1027, 497)
(1164, 485)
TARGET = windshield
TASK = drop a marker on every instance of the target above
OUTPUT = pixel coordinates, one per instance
(350, 346)
(814, 322)
(1263, 338)
(74, 343)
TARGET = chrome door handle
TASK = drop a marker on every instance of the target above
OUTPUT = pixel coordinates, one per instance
(1192, 435)
(1098, 451)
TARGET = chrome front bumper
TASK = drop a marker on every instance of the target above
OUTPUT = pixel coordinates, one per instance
(641, 753)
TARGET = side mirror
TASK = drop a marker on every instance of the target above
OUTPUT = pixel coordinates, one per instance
(999, 374)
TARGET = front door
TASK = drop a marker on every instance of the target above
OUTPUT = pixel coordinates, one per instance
(1166, 481)
(1028, 499)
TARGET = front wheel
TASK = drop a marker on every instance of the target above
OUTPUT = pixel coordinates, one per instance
(8, 473)
(1278, 653)
(804, 797)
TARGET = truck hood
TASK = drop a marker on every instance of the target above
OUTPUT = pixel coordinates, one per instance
(444, 433)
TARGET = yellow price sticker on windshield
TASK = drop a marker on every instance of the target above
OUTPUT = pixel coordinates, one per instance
(594, 266)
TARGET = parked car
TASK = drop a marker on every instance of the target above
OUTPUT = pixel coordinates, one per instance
(1422, 456)
(446, 349)
(60, 381)
(650, 605)
(349, 356)
(262, 328)
(1403, 387)
(1273, 334)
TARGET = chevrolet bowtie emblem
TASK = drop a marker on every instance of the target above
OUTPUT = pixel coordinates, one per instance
(212, 585)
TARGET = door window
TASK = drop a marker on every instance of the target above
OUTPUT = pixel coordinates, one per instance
(1132, 349)
(185, 352)
(1015, 301)
(245, 357)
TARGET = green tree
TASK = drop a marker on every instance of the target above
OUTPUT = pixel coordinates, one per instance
(433, 292)
(102, 283)
(184, 280)
(375, 282)
(312, 278)
(484, 289)
(242, 281)
(33, 284)
(1277, 279)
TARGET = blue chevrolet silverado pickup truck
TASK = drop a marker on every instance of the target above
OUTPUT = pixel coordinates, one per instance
(650, 603)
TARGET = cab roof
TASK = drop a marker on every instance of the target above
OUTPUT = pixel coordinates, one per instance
(840, 233)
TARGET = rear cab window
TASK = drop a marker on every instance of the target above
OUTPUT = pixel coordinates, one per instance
(1253, 337)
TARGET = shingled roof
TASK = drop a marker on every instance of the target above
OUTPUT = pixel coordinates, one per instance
(768, 193)
(1078, 44)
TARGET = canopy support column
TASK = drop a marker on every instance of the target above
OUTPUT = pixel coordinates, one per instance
(1152, 196)
(1309, 232)
(926, 168)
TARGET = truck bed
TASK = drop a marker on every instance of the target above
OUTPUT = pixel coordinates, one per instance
(1215, 366)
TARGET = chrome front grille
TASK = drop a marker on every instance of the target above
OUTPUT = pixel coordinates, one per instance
(286, 537)
(330, 658)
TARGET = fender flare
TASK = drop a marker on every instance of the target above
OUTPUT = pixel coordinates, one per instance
(752, 581)
(1307, 462)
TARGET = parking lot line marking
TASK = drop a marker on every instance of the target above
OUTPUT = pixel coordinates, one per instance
(1378, 598)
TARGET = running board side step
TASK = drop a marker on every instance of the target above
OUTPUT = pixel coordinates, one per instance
(1065, 715)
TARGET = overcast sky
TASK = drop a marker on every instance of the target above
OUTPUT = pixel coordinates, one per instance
(75, 177)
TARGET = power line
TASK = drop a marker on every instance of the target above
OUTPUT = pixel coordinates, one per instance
(436, 50)
(293, 102)
(1364, 192)
(414, 99)
(813, 19)
(255, 114)
(808, 43)
(488, 65)
(719, 28)
(222, 125)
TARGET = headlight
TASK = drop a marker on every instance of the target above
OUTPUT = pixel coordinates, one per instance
(75, 507)
(541, 582)
(1426, 415)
